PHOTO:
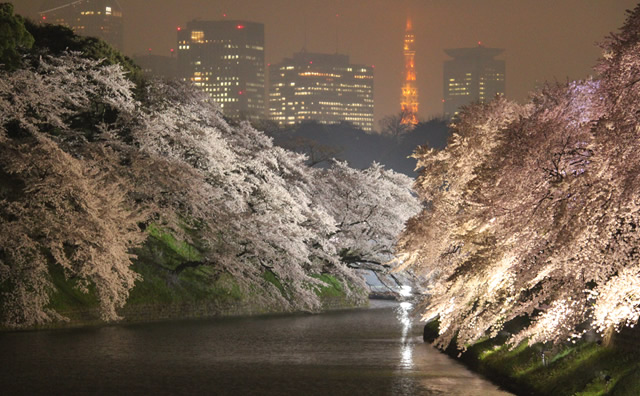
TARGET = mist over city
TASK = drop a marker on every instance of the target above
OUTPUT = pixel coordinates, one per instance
(283, 197)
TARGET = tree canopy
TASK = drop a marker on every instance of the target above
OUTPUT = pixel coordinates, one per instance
(13, 37)
(86, 170)
(532, 210)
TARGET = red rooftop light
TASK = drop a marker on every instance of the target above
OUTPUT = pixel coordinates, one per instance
(179, 28)
(240, 27)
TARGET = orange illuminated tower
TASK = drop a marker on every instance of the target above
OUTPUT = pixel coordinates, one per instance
(409, 104)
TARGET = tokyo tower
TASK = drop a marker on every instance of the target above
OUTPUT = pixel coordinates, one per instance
(409, 104)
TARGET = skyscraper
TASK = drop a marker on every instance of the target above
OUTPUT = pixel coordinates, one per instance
(225, 59)
(95, 18)
(472, 75)
(322, 87)
(409, 103)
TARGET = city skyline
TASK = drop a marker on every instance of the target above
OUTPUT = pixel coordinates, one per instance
(544, 40)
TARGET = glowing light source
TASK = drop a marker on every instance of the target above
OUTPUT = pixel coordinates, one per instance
(405, 291)
(409, 102)
(239, 26)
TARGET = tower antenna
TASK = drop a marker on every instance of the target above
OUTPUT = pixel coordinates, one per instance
(409, 103)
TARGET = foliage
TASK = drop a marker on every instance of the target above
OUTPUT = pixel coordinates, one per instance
(583, 369)
(58, 209)
(13, 37)
(367, 225)
(331, 287)
(393, 126)
(532, 211)
(89, 176)
(57, 39)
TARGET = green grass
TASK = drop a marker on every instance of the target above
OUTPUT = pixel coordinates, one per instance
(333, 288)
(163, 292)
(584, 368)
(68, 300)
(182, 249)
(270, 277)
(157, 259)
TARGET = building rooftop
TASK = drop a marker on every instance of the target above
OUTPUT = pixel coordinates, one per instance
(305, 57)
(475, 52)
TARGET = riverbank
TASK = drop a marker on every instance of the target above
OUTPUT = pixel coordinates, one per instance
(584, 368)
(160, 296)
(162, 293)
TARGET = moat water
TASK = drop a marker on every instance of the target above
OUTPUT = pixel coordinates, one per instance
(375, 351)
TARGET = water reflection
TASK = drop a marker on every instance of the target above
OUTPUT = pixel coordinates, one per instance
(437, 374)
(378, 351)
(403, 312)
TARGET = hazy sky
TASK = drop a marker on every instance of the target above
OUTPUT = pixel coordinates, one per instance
(545, 40)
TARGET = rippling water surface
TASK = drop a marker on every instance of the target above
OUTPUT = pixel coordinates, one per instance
(377, 351)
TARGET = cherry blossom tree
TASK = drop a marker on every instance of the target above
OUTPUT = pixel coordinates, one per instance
(370, 208)
(532, 211)
(86, 167)
(58, 210)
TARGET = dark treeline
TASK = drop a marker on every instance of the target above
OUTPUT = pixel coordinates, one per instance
(346, 142)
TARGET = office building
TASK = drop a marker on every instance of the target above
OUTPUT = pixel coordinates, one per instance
(472, 75)
(321, 87)
(225, 59)
(94, 18)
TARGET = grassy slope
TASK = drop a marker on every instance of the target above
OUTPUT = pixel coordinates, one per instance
(585, 368)
(194, 292)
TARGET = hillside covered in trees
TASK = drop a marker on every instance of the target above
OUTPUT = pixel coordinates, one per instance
(117, 191)
(533, 211)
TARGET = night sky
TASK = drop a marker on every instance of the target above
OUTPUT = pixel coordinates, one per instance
(545, 40)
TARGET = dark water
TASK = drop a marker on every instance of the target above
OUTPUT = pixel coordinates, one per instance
(376, 351)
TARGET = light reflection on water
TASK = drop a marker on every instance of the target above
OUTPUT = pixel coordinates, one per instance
(377, 351)
(403, 312)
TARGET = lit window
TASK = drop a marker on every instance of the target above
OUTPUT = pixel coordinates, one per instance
(197, 36)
